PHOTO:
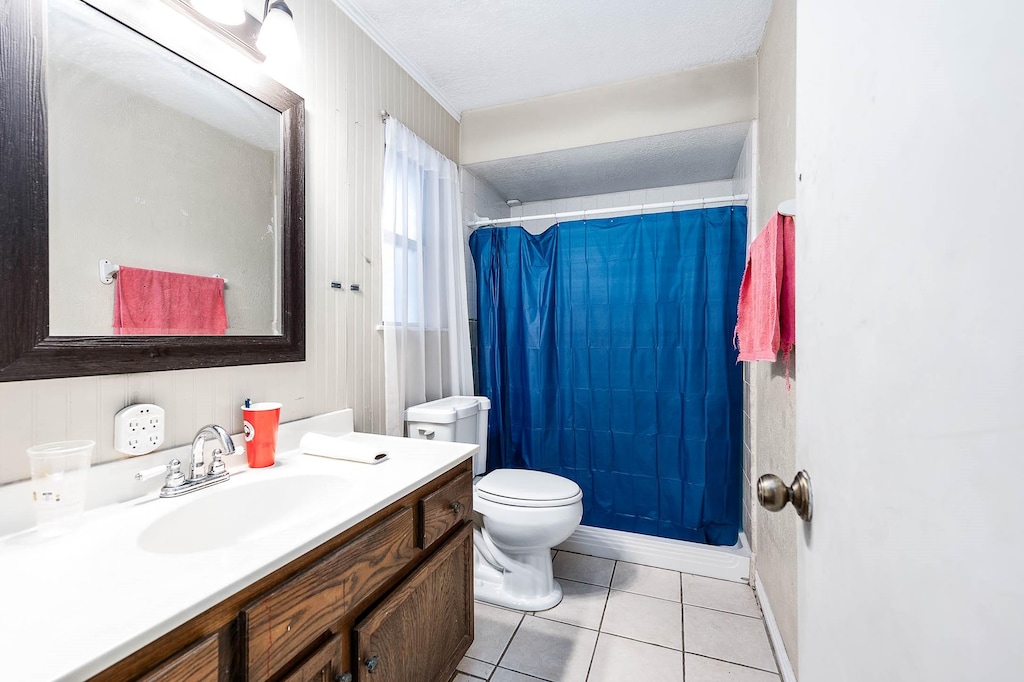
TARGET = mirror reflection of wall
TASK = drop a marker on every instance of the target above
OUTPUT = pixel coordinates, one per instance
(159, 165)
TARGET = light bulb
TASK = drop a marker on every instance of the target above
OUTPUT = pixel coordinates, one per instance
(278, 39)
(231, 12)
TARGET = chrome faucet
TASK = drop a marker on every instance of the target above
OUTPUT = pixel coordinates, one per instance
(199, 476)
(197, 467)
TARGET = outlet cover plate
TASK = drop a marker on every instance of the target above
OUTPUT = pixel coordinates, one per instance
(139, 429)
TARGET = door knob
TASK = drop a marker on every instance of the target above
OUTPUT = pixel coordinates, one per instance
(774, 494)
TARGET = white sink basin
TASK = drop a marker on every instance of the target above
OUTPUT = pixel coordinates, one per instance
(236, 511)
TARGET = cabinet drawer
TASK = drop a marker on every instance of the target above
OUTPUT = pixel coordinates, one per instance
(420, 632)
(286, 621)
(199, 663)
(446, 507)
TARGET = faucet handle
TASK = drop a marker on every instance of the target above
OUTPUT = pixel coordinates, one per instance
(173, 471)
(217, 465)
(147, 474)
(174, 476)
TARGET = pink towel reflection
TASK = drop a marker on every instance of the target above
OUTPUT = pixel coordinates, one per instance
(151, 302)
(766, 318)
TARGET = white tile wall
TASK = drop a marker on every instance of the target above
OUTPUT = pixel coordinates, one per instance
(480, 198)
(744, 183)
(772, 402)
(643, 196)
(346, 80)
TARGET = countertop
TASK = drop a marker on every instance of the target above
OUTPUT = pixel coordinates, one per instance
(76, 604)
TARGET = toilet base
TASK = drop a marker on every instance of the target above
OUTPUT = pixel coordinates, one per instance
(524, 586)
(492, 593)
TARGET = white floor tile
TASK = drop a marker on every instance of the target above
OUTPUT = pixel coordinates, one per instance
(476, 668)
(584, 569)
(700, 669)
(727, 637)
(647, 619)
(617, 659)
(581, 605)
(720, 594)
(494, 628)
(551, 650)
(459, 677)
(505, 675)
(653, 582)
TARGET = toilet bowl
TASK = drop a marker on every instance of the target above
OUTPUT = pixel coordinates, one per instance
(524, 513)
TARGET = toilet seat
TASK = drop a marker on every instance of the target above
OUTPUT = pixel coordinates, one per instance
(525, 488)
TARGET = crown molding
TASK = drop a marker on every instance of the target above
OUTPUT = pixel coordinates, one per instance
(367, 25)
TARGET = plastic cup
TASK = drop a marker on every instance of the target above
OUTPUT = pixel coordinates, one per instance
(259, 423)
(59, 475)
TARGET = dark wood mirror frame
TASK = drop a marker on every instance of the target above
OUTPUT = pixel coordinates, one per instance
(27, 351)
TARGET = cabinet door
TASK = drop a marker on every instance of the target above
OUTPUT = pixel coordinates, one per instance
(198, 663)
(420, 632)
(283, 623)
(329, 663)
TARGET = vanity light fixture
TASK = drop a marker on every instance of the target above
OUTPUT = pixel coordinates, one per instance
(278, 39)
(230, 12)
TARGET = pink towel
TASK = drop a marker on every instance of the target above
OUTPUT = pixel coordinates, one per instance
(766, 317)
(151, 302)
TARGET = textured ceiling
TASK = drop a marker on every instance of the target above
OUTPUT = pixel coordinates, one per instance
(481, 53)
(700, 155)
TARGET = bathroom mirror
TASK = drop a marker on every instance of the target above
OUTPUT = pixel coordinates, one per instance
(130, 141)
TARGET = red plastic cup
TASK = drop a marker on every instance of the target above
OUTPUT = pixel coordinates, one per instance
(259, 424)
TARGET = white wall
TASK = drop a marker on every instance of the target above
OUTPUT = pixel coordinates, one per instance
(909, 414)
(771, 403)
(684, 100)
(346, 80)
(696, 190)
(480, 199)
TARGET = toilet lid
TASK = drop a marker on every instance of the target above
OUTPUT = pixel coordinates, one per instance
(524, 488)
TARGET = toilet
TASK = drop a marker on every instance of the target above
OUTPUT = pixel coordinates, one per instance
(524, 513)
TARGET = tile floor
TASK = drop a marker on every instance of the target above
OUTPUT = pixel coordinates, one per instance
(625, 622)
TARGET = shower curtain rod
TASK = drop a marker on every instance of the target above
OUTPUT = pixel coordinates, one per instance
(624, 209)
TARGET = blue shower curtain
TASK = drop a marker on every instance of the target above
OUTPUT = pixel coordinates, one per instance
(605, 347)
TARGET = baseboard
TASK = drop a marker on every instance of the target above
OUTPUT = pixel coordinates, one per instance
(774, 634)
(725, 563)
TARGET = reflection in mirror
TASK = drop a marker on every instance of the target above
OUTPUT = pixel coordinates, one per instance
(155, 163)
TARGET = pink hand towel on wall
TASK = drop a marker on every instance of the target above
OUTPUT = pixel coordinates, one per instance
(151, 302)
(766, 317)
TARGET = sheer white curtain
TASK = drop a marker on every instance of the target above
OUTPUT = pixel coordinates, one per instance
(426, 314)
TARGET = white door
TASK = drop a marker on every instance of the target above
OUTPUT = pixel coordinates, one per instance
(910, 281)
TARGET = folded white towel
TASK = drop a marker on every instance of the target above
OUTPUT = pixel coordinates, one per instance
(341, 447)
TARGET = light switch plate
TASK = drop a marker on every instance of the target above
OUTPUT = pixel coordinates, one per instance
(139, 429)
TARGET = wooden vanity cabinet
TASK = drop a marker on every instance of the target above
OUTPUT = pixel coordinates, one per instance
(198, 663)
(420, 631)
(397, 586)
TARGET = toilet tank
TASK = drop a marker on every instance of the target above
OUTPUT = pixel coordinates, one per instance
(461, 419)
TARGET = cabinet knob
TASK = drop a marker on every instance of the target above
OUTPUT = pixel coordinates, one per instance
(344, 677)
(372, 664)
(456, 506)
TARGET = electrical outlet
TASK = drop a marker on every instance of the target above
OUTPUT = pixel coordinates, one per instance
(139, 429)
